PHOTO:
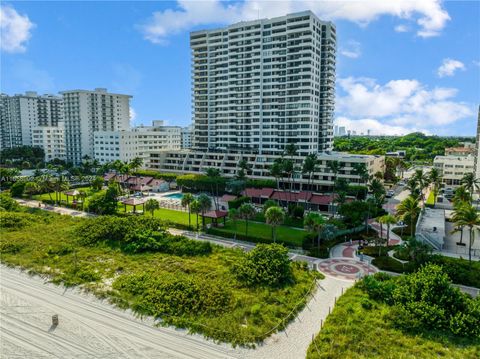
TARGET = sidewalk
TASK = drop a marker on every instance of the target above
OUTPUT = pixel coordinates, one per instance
(60, 210)
(394, 238)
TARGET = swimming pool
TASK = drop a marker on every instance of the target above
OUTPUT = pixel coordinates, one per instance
(175, 195)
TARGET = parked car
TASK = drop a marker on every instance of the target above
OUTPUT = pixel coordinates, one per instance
(390, 194)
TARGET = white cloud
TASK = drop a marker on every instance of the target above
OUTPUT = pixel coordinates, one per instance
(133, 115)
(400, 104)
(430, 16)
(401, 28)
(376, 127)
(352, 50)
(449, 67)
(477, 63)
(15, 30)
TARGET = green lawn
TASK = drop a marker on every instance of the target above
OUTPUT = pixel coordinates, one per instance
(63, 197)
(356, 330)
(431, 199)
(261, 232)
(49, 244)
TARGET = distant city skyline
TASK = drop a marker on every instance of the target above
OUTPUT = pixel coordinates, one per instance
(416, 68)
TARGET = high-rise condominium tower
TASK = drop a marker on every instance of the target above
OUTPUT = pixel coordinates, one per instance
(90, 111)
(20, 114)
(260, 85)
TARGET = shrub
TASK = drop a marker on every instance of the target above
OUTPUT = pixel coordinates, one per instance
(391, 264)
(236, 203)
(261, 183)
(378, 288)
(266, 264)
(17, 189)
(15, 221)
(8, 203)
(297, 211)
(174, 294)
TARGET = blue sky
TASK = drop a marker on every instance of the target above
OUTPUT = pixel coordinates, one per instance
(401, 65)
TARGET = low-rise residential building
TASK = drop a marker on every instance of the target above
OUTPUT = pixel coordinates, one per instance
(321, 180)
(459, 151)
(51, 139)
(136, 142)
(453, 168)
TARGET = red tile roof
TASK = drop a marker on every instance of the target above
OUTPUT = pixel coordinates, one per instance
(215, 214)
(139, 180)
(292, 196)
(109, 176)
(321, 199)
(258, 193)
(228, 197)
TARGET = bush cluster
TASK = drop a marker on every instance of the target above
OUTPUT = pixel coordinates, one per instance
(266, 264)
(138, 234)
(426, 300)
(174, 294)
(7, 203)
(236, 203)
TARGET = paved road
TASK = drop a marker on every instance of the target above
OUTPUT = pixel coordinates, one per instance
(87, 328)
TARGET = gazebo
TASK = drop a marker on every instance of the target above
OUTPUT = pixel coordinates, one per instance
(134, 202)
(215, 215)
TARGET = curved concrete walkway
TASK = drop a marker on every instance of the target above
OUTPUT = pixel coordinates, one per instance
(394, 238)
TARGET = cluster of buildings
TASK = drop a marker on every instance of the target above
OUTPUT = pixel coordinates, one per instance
(257, 87)
(455, 163)
(83, 123)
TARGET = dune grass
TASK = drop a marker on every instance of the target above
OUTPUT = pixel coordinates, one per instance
(362, 328)
(48, 243)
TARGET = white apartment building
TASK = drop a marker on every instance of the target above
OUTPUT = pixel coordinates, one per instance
(89, 111)
(227, 162)
(20, 113)
(187, 134)
(51, 139)
(136, 142)
(453, 168)
(260, 85)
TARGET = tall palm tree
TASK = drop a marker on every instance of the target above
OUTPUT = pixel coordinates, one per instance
(151, 205)
(234, 215)
(461, 196)
(31, 188)
(247, 212)
(378, 191)
(360, 170)
(388, 219)
(214, 175)
(467, 216)
(309, 166)
(334, 167)
(435, 179)
(205, 203)
(135, 164)
(244, 168)
(314, 223)
(471, 183)
(408, 209)
(291, 150)
(422, 182)
(274, 216)
(412, 186)
(195, 208)
(276, 170)
(187, 201)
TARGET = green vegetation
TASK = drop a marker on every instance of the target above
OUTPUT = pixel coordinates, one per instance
(136, 264)
(419, 147)
(23, 156)
(365, 324)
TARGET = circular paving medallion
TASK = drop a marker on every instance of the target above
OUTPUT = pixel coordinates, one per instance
(346, 268)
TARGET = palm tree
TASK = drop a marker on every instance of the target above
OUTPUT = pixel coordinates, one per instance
(412, 186)
(334, 167)
(274, 216)
(467, 216)
(291, 150)
(422, 182)
(309, 166)
(31, 188)
(247, 212)
(378, 191)
(187, 201)
(214, 175)
(135, 164)
(436, 180)
(234, 215)
(388, 219)
(151, 205)
(360, 170)
(461, 196)
(408, 210)
(471, 183)
(195, 208)
(276, 170)
(205, 203)
(47, 185)
(244, 168)
(314, 223)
